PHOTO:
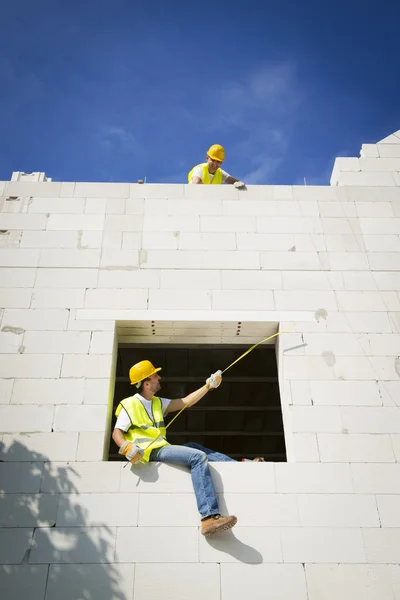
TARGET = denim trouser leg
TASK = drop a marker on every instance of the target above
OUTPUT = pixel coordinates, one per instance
(196, 458)
(211, 454)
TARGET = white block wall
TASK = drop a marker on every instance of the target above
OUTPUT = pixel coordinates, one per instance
(75, 258)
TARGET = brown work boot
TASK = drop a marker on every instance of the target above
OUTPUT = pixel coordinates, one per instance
(216, 523)
(259, 459)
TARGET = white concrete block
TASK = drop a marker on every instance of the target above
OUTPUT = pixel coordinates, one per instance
(336, 226)
(134, 279)
(382, 243)
(15, 297)
(174, 510)
(207, 241)
(69, 258)
(162, 223)
(113, 240)
(40, 446)
(102, 190)
(337, 510)
(290, 261)
(192, 280)
(59, 342)
(395, 437)
(21, 221)
(330, 582)
(320, 193)
(98, 509)
(308, 367)
(360, 301)
(376, 479)
(98, 477)
(316, 419)
(80, 418)
(381, 344)
(25, 418)
(49, 239)
(10, 343)
(283, 225)
(90, 239)
(20, 477)
(364, 178)
(77, 322)
(123, 223)
(234, 477)
(119, 298)
(67, 189)
(336, 344)
(297, 280)
(258, 208)
(243, 300)
(369, 322)
(170, 479)
(75, 222)
(6, 387)
(275, 242)
(33, 510)
(176, 581)
(43, 190)
(17, 278)
(227, 223)
(362, 448)
(268, 581)
(126, 260)
(344, 261)
(388, 507)
(383, 419)
(332, 209)
(305, 447)
(73, 545)
(159, 240)
(389, 151)
(22, 581)
(385, 368)
(359, 280)
(322, 545)
(96, 391)
(337, 393)
(358, 368)
(89, 365)
(17, 257)
(312, 478)
(156, 206)
(305, 300)
(192, 207)
(382, 545)
(58, 298)
(157, 544)
(343, 243)
(179, 299)
(90, 446)
(66, 582)
(135, 206)
(191, 259)
(56, 205)
(48, 391)
(250, 280)
(369, 151)
(381, 261)
(254, 545)
(68, 278)
(14, 543)
(375, 209)
(300, 392)
(35, 365)
(95, 206)
(380, 164)
(385, 226)
(261, 510)
(102, 342)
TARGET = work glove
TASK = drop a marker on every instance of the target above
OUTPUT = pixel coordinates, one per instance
(239, 184)
(132, 452)
(214, 380)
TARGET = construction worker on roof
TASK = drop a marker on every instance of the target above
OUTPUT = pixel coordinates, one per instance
(210, 171)
(140, 422)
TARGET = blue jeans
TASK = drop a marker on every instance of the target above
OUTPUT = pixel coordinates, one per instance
(196, 457)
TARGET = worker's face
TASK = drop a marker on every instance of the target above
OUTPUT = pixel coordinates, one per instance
(154, 383)
(213, 164)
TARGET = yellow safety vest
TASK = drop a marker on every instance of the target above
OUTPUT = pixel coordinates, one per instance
(143, 429)
(206, 175)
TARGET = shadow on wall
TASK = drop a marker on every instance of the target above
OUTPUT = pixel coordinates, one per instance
(41, 556)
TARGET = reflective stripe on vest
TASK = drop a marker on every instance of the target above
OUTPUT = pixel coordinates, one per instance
(144, 429)
(206, 175)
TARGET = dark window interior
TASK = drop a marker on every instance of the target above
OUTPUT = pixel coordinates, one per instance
(242, 418)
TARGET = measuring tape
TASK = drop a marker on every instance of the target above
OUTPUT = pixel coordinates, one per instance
(224, 371)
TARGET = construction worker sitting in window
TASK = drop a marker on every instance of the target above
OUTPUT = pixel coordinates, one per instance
(140, 434)
(211, 172)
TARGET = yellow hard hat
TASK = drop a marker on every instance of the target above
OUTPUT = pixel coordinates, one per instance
(216, 152)
(142, 370)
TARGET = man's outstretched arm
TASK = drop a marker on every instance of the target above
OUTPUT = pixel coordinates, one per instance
(211, 383)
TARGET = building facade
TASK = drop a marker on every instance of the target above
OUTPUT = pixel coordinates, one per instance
(87, 268)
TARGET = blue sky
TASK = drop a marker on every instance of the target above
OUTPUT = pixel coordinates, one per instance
(122, 90)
